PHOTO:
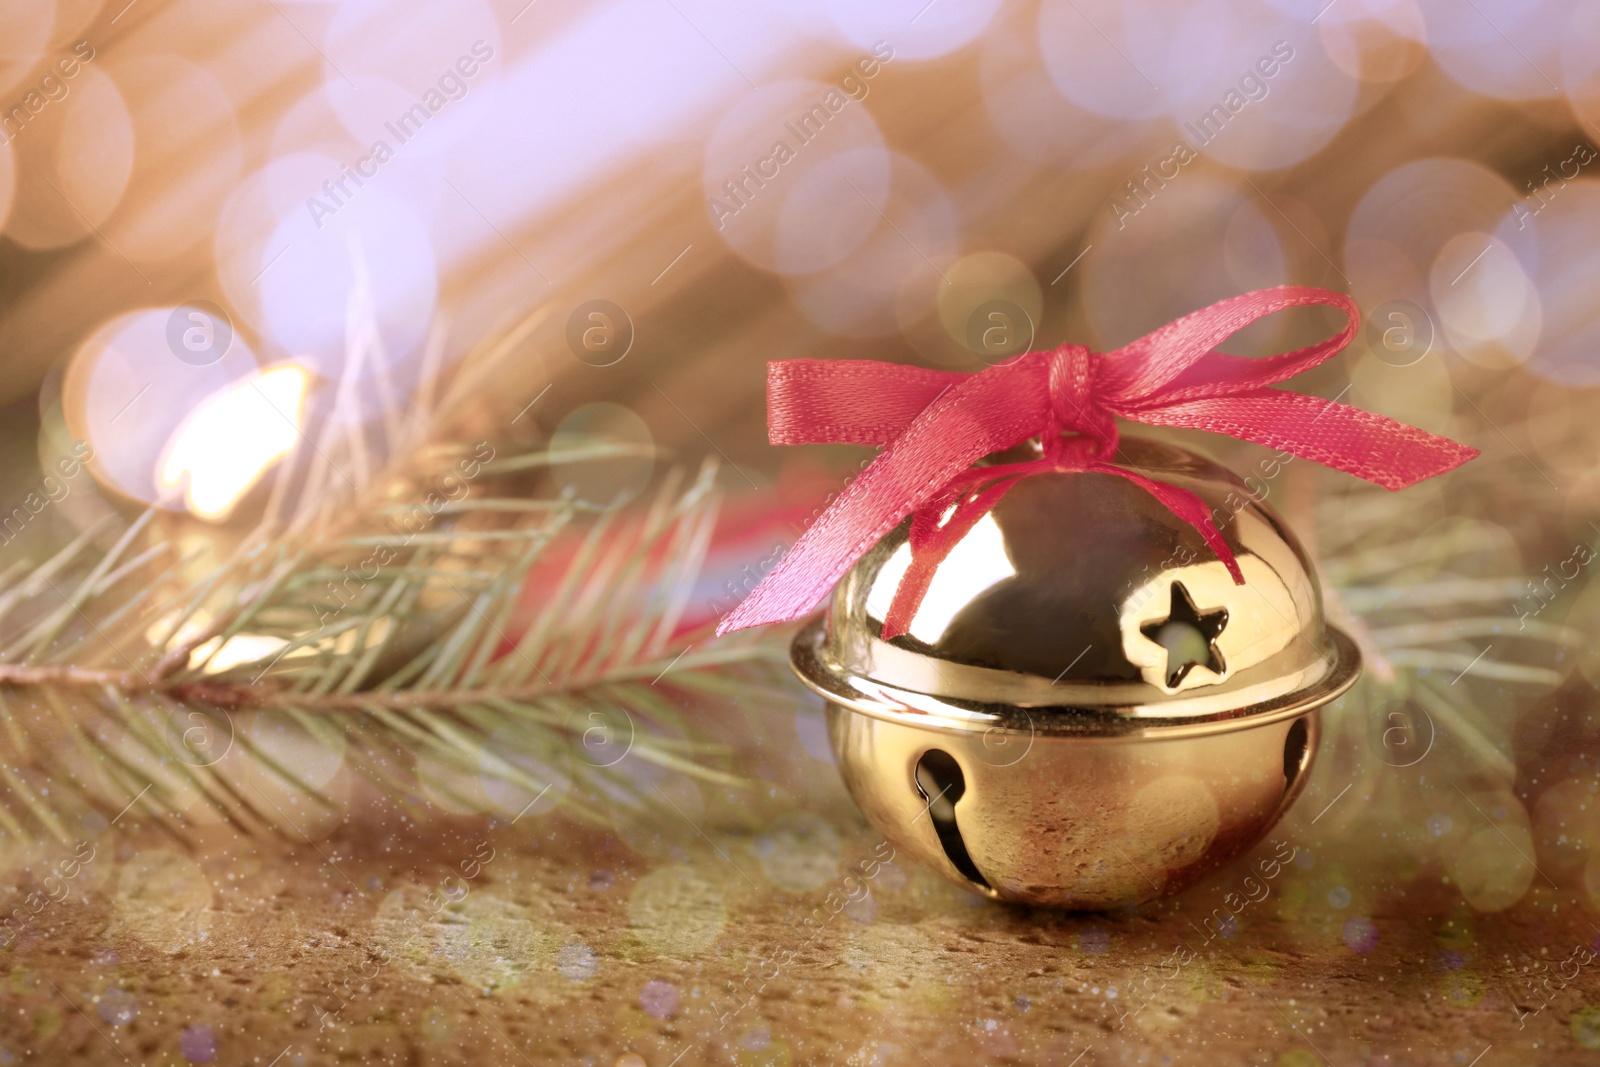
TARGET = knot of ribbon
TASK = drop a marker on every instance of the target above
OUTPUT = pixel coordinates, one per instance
(934, 425)
(1073, 406)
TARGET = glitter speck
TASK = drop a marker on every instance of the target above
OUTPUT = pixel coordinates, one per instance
(118, 1007)
(1361, 935)
(198, 1044)
(659, 999)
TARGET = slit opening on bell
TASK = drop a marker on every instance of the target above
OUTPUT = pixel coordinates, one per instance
(941, 783)
(1294, 753)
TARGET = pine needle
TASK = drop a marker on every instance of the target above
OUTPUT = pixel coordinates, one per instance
(389, 647)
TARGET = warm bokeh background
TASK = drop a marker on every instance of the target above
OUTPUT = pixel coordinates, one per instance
(235, 231)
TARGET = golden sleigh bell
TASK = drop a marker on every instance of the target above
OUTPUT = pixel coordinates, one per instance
(1087, 712)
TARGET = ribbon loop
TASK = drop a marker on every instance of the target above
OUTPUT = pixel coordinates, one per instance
(935, 424)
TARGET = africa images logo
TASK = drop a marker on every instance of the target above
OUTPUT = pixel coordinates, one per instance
(451, 85)
(1253, 87)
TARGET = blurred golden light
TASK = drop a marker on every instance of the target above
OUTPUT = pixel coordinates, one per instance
(126, 391)
(1166, 248)
(979, 279)
(784, 196)
(72, 18)
(1565, 437)
(1419, 393)
(313, 751)
(183, 170)
(1375, 40)
(174, 628)
(1037, 121)
(224, 447)
(28, 24)
(1097, 53)
(892, 277)
(8, 180)
(1486, 303)
(1553, 239)
(919, 30)
(1473, 50)
(218, 655)
(74, 159)
(1407, 217)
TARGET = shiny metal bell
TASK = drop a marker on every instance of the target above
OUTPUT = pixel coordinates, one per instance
(1087, 712)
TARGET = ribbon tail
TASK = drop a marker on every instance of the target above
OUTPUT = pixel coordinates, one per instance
(931, 543)
(848, 401)
(985, 413)
(1188, 507)
(1378, 449)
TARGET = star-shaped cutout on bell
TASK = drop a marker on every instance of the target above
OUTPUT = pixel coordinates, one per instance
(1189, 636)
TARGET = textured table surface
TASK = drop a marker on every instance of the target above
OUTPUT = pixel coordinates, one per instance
(364, 936)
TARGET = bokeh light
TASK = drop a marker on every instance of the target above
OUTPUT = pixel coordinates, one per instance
(8, 180)
(913, 29)
(1504, 48)
(1486, 302)
(28, 26)
(1554, 248)
(795, 176)
(233, 438)
(1377, 41)
(182, 172)
(126, 393)
(896, 272)
(523, 770)
(1283, 98)
(74, 159)
(1171, 255)
(978, 280)
(1131, 61)
(1027, 109)
(799, 853)
(417, 51)
(368, 259)
(602, 454)
(1408, 216)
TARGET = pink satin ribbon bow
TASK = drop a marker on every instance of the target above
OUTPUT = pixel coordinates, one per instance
(936, 424)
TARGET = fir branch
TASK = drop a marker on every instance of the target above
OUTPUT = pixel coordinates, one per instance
(391, 641)
(1427, 619)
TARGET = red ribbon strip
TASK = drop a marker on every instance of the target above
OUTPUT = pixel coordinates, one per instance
(936, 424)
